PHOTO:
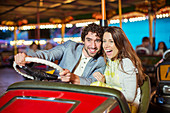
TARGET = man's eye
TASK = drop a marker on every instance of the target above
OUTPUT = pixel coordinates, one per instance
(98, 40)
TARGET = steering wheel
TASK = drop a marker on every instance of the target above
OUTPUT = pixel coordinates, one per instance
(36, 74)
(142, 49)
(166, 55)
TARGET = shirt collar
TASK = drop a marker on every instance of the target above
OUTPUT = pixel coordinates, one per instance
(83, 57)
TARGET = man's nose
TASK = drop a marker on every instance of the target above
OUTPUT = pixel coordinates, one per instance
(93, 44)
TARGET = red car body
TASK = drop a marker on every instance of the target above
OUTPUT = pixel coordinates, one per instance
(51, 97)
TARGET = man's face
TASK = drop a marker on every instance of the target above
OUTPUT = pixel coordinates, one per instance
(92, 44)
(146, 43)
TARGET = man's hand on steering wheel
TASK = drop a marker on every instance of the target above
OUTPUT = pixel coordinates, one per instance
(20, 59)
(67, 76)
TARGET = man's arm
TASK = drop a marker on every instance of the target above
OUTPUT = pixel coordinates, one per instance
(50, 55)
(53, 54)
(93, 66)
(91, 78)
(67, 76)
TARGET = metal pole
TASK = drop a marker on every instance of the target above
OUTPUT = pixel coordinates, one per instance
(15, 40)
(62, 32)
(120, 13)
(150, 28)
(103, 22)
(150, 23)
(103, 10)
(38, 21)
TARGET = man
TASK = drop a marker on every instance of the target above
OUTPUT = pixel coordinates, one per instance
(145, 47)
(79, 61)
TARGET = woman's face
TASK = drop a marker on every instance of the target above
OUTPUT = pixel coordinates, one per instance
(109, 45)
(161, 45)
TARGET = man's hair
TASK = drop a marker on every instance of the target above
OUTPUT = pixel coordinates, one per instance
(145, 39)
(94, 28)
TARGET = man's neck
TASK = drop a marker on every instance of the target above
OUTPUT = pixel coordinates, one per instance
(85, 53)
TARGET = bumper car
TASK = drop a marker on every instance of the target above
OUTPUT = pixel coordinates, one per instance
(160, 98)
(43, 95)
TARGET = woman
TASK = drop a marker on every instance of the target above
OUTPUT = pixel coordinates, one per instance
(124, 69)
(161, 48)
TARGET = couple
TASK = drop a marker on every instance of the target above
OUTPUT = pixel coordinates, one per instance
(85, 65)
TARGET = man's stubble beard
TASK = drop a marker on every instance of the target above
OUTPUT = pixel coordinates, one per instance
(89, 53)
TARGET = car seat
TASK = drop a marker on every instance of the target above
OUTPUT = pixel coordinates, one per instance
(145, 96)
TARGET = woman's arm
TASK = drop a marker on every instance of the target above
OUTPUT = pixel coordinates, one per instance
(128, 80)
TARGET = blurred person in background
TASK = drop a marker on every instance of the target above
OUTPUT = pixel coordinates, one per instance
(145, 47)
(33, 48)
(161, 48)
(49, 46)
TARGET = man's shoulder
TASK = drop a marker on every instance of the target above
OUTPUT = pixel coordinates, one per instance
(72, 46)
(70, 42)
(100, 59)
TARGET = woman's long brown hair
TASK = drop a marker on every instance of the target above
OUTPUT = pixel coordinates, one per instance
(125, 50)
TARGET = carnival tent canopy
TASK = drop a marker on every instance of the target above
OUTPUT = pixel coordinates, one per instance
(19, 12)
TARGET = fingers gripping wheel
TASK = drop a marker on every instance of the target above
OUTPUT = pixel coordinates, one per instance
(38, 74)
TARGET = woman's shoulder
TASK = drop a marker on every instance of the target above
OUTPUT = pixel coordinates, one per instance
(127, 64)
(127, 61)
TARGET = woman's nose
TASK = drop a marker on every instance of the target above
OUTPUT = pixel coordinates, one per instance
(106, 44)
